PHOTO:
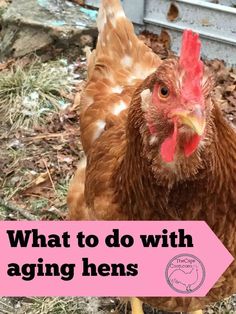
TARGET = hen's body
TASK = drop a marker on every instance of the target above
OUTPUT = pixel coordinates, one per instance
(125, 177)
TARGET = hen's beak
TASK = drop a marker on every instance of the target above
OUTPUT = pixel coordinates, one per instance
(195, 119)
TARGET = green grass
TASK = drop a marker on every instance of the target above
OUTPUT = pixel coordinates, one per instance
(62, 188)
(28, 94)
(38, 204)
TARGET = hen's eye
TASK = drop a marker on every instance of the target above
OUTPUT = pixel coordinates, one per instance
(164, 91)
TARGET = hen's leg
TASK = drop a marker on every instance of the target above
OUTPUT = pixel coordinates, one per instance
(136, 306)
(196, 312)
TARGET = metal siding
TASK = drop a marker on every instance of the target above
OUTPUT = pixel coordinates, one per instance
(134, 10)
(215, 23)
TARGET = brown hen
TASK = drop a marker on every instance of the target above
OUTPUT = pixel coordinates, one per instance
(156, 143)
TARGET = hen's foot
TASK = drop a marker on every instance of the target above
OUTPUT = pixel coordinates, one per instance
(137, 306)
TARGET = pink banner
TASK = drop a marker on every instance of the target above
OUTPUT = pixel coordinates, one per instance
(109, 258)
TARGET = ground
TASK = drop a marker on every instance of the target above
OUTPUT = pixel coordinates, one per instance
(40, 148)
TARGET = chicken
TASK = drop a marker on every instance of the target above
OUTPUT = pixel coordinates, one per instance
(156, 143)
(185, 278)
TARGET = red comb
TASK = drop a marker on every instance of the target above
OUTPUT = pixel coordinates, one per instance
(192, 65)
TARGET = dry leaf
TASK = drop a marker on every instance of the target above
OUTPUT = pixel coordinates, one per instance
(41, 178)
(230, 88)
(233, 75)
(6, 64)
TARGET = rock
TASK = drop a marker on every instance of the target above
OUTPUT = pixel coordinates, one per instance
(33, 24)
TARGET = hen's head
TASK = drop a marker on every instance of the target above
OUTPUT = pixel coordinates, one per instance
(177, 105)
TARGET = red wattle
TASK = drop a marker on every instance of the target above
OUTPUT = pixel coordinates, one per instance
(169, 145)
(192, 145)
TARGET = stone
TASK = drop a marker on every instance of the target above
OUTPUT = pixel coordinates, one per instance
(33, 24)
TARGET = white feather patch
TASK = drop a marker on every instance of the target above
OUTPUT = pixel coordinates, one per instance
(146, 97)
(153, 139)
(117, 89)
(117, 109)
(127, 61)
(100, 126)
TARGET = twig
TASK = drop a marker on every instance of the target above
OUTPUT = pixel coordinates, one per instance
(4, 311)
(17, 209)
(47, 135)
(6, 305)
(55, 211)
(49, 174)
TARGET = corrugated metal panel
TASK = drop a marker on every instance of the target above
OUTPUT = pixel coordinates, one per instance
(135, 10)
(215, 22)
(230, 3)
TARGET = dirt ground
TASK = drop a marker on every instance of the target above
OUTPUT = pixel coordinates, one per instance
(40, 148)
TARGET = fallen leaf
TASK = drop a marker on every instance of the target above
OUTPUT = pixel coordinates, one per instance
(6, 64)
(233, 75)
(64, 158)
(230, 88)
(41, 178)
